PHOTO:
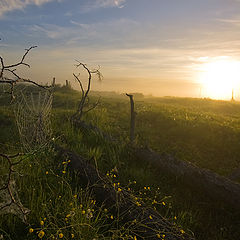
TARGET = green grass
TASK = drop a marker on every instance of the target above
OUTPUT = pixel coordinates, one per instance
(202, 131)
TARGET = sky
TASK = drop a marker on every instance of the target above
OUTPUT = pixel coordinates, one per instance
(156, 47)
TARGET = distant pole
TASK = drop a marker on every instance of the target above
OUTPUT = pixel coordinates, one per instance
(232, 95)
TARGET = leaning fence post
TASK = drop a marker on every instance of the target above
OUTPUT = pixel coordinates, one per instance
(132, 121)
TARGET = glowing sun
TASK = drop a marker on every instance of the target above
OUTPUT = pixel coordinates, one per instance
(219, 78)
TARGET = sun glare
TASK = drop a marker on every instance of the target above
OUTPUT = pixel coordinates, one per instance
(219, 78)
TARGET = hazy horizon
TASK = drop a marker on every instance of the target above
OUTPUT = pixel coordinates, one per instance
(162, 48)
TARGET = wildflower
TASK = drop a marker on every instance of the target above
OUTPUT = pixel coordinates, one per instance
(148, 188)
(150, 217)
(68, 215)
(135, 238)
(69, 161)
(119, 189)
(105, 210)
(163, 236)
(31, 230)
(72, 235)
(63, 171)
(129, 189)
(89, 213)
(175, 217)
(111, 216)
(138, 204)
(60, 235)
(46, 172)
(154, 201)
(83, 212)
(182, 231)
(145, 188)
(41, 234)
(81, 206)
(163, 203)
(44, 219)
(75, 196)
(134, 182)
(41, 223)
(158, 235)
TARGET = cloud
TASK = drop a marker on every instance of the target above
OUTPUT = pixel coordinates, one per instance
(96, 4)
(11, 5)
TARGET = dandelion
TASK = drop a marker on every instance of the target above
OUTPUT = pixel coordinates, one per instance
(163, 236)
(41, 223)
(145, 188)
(111, 216)
(41, 234)
(135, 238)
(31, 230)
(69, 161)
(63, 171)
(182, 231)
(83, 212)
(175, 217)
(60, 235)
(148, 188)
(119, 189)
(47, 172)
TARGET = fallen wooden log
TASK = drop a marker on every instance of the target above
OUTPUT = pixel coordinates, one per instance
(148, 223)
(217, 187)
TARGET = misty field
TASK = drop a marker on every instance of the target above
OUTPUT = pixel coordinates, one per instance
(201, 131)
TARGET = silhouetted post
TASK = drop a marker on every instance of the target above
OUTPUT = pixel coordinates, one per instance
(232, 95)
(132, 121)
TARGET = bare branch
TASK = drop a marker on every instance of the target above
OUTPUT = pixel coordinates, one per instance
(84, 101)
(14, 77)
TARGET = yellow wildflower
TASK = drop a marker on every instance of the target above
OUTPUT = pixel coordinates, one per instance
(158, 235)
(60, 235)
(31, 230)
(46, 172)
(150, 217)
(182, 231)
(111, 216)
(63, 171)
(119, 189)
(41, 223)
(135, 238)
(41, 234)
(72, 235)
(83, 212)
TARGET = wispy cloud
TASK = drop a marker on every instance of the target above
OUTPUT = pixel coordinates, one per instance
(8, 6)
(96, 4)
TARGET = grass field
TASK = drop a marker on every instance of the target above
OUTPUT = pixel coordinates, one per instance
(202, 131)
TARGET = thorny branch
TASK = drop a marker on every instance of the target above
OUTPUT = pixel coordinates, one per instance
(7, 186)
(84, 97)
(14, 77)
